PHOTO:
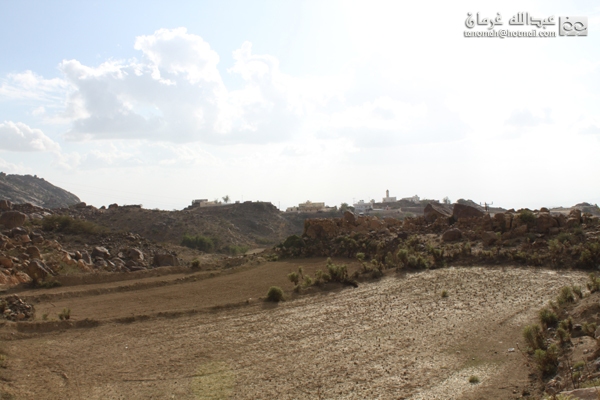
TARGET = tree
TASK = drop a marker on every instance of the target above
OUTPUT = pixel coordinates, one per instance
(226, 199)
(446, 200)
(345, 207)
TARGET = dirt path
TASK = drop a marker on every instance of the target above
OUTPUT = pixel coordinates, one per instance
(391, 339)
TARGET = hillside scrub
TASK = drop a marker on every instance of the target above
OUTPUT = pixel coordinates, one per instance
(198, 242)
(67, 224)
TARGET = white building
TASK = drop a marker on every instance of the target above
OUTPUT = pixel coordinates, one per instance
(362, 207)
(387, 198)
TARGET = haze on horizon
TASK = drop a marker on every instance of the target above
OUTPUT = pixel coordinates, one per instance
(334, 101)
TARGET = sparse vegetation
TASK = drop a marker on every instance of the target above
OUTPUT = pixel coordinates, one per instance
(473, 379)
(444, 293)
(198, 242)
(67, 224)
(65, 314)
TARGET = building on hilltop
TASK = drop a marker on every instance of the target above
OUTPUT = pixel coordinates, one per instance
(387, 198)
(309, 206)
(362, 207)
(204, 203)
(414, 199)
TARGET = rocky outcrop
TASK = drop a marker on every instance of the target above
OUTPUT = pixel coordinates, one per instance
(461, 211)
(15, 309)
(332, 227)
(165, 260)
(12, 219)
(434, 211)
(452, 235)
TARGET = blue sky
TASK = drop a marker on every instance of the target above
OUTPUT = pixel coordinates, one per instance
(160, 103)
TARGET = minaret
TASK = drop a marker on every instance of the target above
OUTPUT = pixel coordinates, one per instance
(387, 193)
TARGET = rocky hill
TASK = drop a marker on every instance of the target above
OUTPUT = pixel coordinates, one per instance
(20, 189)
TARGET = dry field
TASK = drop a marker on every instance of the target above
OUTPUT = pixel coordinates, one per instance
(176, 337)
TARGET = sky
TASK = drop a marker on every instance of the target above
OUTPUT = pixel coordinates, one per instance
(159, 103)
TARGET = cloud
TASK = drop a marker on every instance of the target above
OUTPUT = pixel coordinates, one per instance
(30, 86)
(22, 138)
(524, 118)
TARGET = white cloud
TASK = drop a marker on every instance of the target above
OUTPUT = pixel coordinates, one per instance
(30, 86)
(20, 137)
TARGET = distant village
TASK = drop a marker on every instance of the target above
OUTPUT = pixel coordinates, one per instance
(388, 206)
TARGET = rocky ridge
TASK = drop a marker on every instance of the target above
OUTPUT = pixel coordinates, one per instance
(21, 189)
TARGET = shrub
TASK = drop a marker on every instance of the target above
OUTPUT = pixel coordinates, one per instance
(339, 273)
(527, 217)
(233, 249)
(403, 256)
(308, 281)
(589, 328)
(547, 317)
(594, 283)
(563, 335)
(294, 277)
(444, 293)
(294, 241)
(565, 296)
(473, 379)
(567, 324)
(198, 242)
(360, 256)
(67, 224)
(195, 263)
(275, 294)
(412, 262)
(547, 360)
(534, 337)
(65, 314)
(577, 291)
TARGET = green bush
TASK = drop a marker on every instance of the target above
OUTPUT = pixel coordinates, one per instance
(548, 317)
(547, 360)
(473, 379)
(195, 263)
(565, 296)
(275, 294)
(294, 241)
(65, 314)
(198, 242)
(534, 337)
(444, 293)
(234, 250)
(527, 217)
(67, 224)
(294, 277)
(339, 273)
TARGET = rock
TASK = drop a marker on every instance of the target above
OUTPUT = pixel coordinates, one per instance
(581, 394)
(544, 222)
(486, 222)
(164, 260)
(553, 231)
(499, 222)
(15, 309)
(6, 262)
(375, 224)
(12, 219)
(37, 270)
(83, 266)
(575, 213)
(80, 205)
(520, 231)
(462, 211)
(572, 222)
(100, 252)
(434, 211)
(562, 220)
(85, 256)
(135, 254)
(34, 252)
(452, 235)
(349, 218)
(36, 238)
(23, 239)
(5, 205)
(544, 210)
(489, 237)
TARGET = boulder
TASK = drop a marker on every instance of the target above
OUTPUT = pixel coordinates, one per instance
(452, 235)
(37, 270)
(544, 222)
(562, 220)
(100, 252)
(135, 254)
(499, 222)
(320, 228)
(520, 231)
(6, 262)
(5, 205)
(489, 237)
(349, 218)
(34, 252)
(462, 211)
(85, 256)
(164, 260)
(572, 222)
(434, 211)
(391, 222)
(581, 394)
(486, 222)
(12, 219)
(575, 213)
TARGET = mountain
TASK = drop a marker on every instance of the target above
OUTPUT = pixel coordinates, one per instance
(21, 189)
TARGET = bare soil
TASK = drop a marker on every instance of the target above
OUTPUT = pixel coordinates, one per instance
(203, 336)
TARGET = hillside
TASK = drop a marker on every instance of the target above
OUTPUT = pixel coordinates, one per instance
(21, 189)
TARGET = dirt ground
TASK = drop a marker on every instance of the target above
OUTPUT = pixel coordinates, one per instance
(197, 336)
